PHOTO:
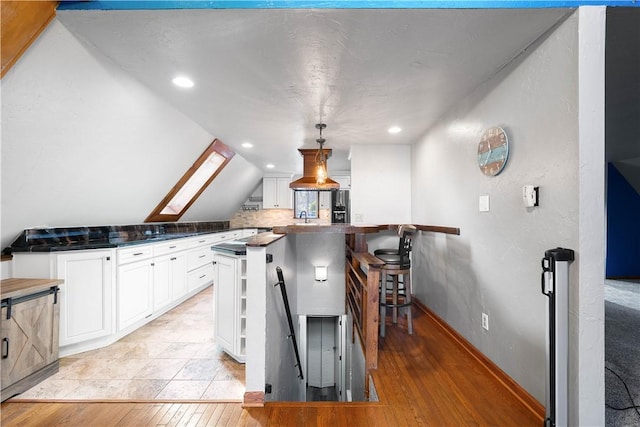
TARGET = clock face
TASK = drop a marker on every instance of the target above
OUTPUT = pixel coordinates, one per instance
(493, 151)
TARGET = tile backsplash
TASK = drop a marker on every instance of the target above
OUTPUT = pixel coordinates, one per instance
(271, 217)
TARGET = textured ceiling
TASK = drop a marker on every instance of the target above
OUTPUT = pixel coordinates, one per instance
(267, 76)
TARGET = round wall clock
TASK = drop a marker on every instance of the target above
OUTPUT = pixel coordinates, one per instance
(493, 151)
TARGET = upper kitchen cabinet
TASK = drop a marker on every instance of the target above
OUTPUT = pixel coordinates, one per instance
(276, 193)
(343, 180)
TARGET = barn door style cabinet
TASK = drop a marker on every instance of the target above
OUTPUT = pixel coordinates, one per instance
(28, 332)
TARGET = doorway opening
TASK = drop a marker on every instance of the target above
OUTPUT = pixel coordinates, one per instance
(323, 344)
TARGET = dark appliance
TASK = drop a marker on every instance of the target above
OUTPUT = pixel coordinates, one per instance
(340, 207)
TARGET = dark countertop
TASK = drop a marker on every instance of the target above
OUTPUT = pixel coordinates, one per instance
(112, 236)
(239, 247)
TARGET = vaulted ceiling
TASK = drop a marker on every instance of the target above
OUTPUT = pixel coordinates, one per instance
(266, 76)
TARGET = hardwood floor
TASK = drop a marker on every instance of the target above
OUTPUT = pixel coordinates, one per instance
(424, 379)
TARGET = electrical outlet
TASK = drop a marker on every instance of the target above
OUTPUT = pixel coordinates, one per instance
(485, 321)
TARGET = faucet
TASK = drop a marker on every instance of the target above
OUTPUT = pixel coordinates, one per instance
(306, 220)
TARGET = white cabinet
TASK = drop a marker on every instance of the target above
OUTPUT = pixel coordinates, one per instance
(86, 298)
(199, 267)
(343, 180)
(87, 295)
(230, 300)
(169, 273)
(276, 193)
(135, 285)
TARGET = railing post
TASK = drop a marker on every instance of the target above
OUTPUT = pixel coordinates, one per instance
(372, 316)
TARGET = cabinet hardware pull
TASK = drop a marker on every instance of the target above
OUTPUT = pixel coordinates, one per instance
(173, 259)
(5, 352)
(153, 264)
(138, 253)
(108, 258)
(172, 247)
(201, 241)
(202, 256)
(204, 275)
(214, 262)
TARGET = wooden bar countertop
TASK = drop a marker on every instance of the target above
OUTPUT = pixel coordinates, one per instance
(325, 228)
(13, 288)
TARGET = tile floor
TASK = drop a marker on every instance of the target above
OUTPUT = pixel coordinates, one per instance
(173, 357)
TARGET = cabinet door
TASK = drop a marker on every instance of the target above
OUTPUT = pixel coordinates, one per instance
(269, 193)
(284, 197)
(29, 338)
(161, 282)
(178, 275)
(86, 297)
(343, 180)
(276, 193)
(134, 293)
(224, 289)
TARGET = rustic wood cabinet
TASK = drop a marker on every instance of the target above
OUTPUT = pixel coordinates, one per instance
(29, 333)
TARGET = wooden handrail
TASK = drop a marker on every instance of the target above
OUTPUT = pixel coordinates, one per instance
(362, 298)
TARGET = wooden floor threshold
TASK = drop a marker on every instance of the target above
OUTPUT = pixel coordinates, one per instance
(153, 401)
(530, 402)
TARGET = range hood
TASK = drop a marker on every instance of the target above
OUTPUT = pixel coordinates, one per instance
(308, 180)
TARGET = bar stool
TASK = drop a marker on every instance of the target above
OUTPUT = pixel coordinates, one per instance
(396, 265)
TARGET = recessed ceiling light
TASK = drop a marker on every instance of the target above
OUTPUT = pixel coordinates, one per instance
(394, 129)
(182, 81)
(271, 166)
(247, 144)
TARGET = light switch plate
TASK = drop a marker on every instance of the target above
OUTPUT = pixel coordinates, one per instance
(483, 203)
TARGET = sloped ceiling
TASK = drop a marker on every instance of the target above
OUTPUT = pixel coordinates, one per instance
(266, 76)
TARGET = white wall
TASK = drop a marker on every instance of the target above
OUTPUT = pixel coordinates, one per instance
(280, 362)
(494, 265)
(320, 298)
(84, 144)
(380, 184)
(586, 376)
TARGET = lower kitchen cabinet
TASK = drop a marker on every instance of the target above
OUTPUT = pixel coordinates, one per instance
(86, 298)
(169, 279)
(230, 300)
(87, 295)
(135, 290)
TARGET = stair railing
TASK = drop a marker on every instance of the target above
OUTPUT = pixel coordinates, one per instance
(292, 335)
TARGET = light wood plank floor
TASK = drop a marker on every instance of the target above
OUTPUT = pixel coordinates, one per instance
(422, 380)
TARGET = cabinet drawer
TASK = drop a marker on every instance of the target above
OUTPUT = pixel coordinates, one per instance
(199, 257)
(200, 277)
(170, 246)
(204, 240)
(134, 253)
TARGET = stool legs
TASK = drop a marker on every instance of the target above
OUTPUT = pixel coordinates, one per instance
(406, 302)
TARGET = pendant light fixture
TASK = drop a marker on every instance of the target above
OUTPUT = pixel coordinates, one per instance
(321, 158)
(315, 175)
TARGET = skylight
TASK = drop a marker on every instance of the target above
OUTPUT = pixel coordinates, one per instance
(192, 183)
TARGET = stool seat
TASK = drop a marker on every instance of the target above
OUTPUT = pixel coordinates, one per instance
(385, 251)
